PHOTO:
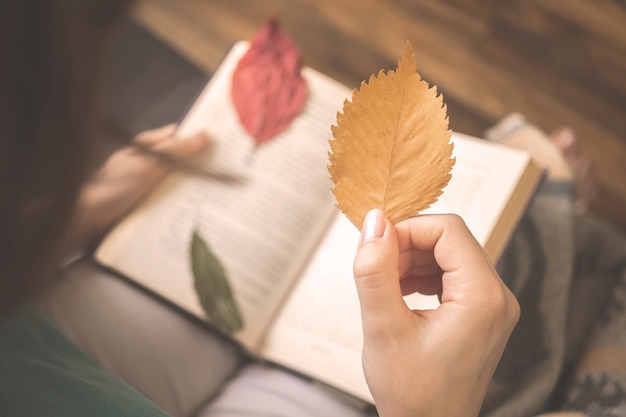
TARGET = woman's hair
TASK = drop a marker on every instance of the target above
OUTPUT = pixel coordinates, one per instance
(50, 55)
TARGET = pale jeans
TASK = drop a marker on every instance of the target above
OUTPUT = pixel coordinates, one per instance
(174, 360)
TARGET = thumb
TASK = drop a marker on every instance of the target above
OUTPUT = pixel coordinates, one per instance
(376, 273)
(182, 148)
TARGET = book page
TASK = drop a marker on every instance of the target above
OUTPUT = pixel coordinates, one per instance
(318, 332)
(484, 179)
(261, 220)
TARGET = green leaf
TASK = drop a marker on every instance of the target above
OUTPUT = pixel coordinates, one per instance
(212, 287)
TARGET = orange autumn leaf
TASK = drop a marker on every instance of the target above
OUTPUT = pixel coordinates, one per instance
(391, 146)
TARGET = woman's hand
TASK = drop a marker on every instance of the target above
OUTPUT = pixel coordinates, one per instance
(431, 362)
(126, 178)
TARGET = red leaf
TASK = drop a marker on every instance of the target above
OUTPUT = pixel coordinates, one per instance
(268, 90)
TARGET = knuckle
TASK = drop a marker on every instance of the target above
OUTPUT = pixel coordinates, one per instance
(503, 309)
(366, 266)
(370, 257)
(455, 221)
(515, 310)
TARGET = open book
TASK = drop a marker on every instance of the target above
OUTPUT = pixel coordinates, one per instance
(271, 221)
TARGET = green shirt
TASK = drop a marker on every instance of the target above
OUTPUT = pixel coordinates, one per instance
(42, 374)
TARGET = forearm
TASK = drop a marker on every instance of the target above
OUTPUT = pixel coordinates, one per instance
(83, 230)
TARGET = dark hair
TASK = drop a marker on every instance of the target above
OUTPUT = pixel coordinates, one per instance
(50, 55)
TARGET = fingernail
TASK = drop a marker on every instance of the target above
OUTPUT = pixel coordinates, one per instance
(373, 226)
(566, 137)
(198, 140)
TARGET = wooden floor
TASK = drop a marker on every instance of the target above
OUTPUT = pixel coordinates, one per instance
(559, 62)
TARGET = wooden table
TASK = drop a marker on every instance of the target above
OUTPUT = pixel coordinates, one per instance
(559, 62)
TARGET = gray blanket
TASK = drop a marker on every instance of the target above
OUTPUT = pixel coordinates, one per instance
(567, 356)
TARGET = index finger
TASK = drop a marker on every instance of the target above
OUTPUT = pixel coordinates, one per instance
(153, 137)
(446, 236)
(467, 272)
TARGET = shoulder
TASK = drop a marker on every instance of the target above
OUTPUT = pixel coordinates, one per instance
(43, 373)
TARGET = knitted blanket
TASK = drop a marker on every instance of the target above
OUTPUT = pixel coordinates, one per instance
(567, 356)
